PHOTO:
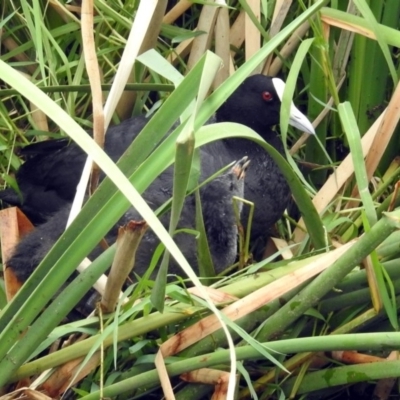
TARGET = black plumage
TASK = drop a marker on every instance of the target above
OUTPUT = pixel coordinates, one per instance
(219, 221)
(52, 170)
(49, 177)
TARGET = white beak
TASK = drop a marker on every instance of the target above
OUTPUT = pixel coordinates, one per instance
(296, 118)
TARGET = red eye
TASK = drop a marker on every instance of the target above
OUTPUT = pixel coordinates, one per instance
(267, 96)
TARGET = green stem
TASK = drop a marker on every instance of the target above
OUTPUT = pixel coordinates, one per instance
(136, 87)
(321, 285)
(366, 341)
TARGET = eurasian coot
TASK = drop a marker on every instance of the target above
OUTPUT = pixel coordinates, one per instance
(49, 177)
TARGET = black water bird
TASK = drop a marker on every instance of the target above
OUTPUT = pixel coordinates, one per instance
(219, 221)
(48, 178)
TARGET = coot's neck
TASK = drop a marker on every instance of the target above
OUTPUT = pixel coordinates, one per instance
(247, 147)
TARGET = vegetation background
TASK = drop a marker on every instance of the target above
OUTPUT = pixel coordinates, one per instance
(341, 63)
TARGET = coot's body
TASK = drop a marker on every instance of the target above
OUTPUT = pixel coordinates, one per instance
(219, 220)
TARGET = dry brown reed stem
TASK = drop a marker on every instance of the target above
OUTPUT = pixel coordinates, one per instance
(236, 36)
(26, 394)
(343, 49)
(10, 44)
(200, 44)
(181, 51)
(172, 15)
(222, 48)
(128, 240)
(210, 376)
(280, 13)
(353, 357)
(13, 225)
(381, 140)
(38, 116)
(384, 387)
(376, 298)
(236, 39)
(65, 11)
(278, 17)
(348, 26)
(392, 204)
(336, 180)
(68, 375)
(204, 375)
(283, 246)
(163, 376)
(216, 295)
(93, 71)
(251, 302)
(288, 48)
(128, 98)
(251, 32)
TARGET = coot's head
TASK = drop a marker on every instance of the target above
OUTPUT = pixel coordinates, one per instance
(218, 193)
(256, 103)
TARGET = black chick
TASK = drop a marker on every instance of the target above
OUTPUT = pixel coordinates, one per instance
(219, 220)
(48, 179)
